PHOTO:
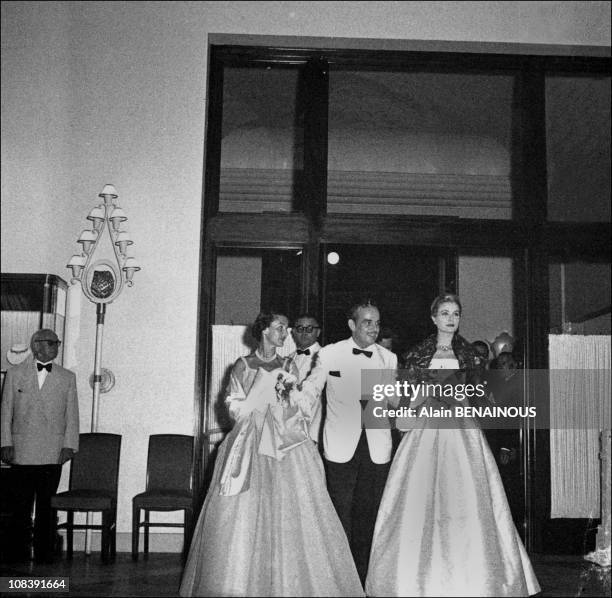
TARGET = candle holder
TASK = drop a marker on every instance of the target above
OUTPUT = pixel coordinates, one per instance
(103, 279)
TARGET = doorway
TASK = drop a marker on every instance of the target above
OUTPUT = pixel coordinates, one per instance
(401, 280)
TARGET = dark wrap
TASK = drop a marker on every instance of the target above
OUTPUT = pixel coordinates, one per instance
(418, 359)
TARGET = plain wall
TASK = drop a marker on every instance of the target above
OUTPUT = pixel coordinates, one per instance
(115, 92)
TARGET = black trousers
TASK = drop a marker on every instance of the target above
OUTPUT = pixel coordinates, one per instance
(356, 488)
(35, 484)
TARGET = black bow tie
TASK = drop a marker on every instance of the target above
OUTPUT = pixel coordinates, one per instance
(304, 352)
(44, 366)
(358, 351)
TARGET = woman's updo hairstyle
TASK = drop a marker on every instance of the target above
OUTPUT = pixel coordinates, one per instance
(262, 321)
(445, 298)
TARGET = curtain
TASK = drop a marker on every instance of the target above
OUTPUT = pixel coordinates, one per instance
(579, 411)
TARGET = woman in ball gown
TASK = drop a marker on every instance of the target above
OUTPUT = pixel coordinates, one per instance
(268, 526)
(444, 527)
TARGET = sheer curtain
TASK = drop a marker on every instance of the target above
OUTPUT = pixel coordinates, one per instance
(579, 411)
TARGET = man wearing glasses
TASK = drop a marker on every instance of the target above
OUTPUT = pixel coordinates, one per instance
(305, 333)
(40, 432)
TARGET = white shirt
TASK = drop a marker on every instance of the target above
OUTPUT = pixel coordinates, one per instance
(42, 374)
(304, 363)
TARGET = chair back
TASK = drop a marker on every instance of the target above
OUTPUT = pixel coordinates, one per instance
(170, 462)
(96, 464)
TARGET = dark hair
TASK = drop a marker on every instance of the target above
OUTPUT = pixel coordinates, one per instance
(481, 344)
(263, 321)
(306, 315)
(445, 298)
(496, 363)
(352, 313)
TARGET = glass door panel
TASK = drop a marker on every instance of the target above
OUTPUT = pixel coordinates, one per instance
(262, 140)
(420, 143)
(578, 148)
(402, 281)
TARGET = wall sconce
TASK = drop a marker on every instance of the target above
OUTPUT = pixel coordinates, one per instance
(76, 263)
(131, 266)
(102, 280)
(87, 239)
(97, 217)
(117, 217)
(123, 240)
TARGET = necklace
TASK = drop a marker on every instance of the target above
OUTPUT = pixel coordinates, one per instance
(444, 347)
(268, 359)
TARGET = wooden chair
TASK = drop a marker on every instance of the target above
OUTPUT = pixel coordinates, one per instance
(169, 487)
(94, 479)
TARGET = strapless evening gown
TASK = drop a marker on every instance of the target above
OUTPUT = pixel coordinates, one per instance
(444, 527)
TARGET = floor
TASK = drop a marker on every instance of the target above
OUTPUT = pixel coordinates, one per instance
(159, 575)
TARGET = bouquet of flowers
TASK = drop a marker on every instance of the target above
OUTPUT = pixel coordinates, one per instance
(285, 383)
(284, 426)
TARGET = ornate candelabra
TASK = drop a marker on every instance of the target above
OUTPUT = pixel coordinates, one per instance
(102, 279)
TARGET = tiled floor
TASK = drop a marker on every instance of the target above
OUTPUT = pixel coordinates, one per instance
(159, 575)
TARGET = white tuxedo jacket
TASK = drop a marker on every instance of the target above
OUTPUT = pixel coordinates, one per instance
(38, 423)
(339, 371)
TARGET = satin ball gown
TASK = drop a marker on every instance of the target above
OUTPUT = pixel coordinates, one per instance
(444, 527)
(268, 526)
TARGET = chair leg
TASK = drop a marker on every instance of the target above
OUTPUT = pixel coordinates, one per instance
(135, 531)
(146, 532)
(106, 523)
(69, 532)
(113, 536)
(55, 532)
(187, 532)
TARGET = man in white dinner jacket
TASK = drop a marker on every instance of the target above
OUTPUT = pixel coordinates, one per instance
(357, 460)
